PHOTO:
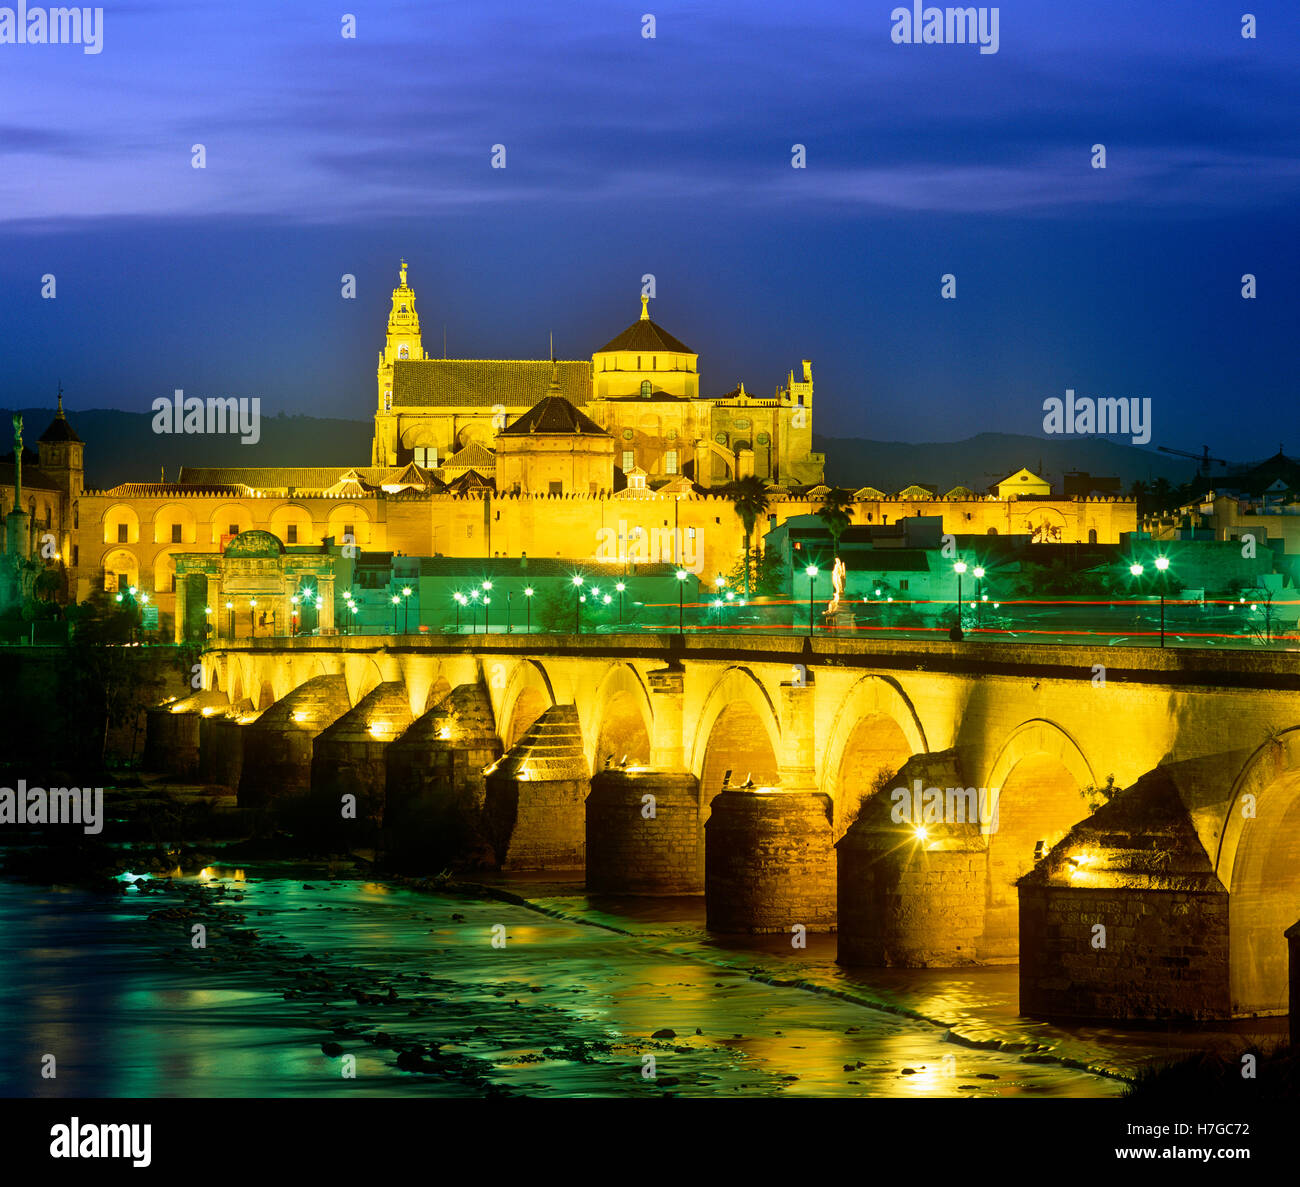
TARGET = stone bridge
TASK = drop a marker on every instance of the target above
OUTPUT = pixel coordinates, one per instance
(1124, 822)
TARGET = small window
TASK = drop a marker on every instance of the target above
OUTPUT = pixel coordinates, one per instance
(763, 439)
(291, 534)
(670, 461)
(350, 531)
(638, 362)
(76, 515)
(75, 556)
(232, 529)
(654, 362)
(121, 533)
(1092, 535)
(902, 586)
(628, 460)
(176, 533)
(47, 515)
(645, 387)
(993, 531)
(557, 488)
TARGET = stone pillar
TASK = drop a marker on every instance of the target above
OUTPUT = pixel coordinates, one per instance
(667, 691)
(535, 809)
(325, 588)
(644, 834)
(797, 762)
(1293, 942)
(214, 600)
(182, 597)
(769, 864)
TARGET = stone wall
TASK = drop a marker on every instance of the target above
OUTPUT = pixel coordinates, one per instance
(629, 852)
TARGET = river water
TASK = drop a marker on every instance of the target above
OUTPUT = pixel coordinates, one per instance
(563, 997)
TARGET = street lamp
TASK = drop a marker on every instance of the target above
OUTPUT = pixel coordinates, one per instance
(230, 607)
(510, 602)
(956, 633)
(487, 601)
(293, 615)
(811, 570)
(528, 610)
(681, 578)
(1162, 565)
(620, 587)
(207, 625)
(979, 578)
(577, 603)
(395, 600)
(459, 599)
(252, 615)
(406, 610)
(473, 610)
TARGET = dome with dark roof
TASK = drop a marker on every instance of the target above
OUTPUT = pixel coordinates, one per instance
(553, 414)
(646, 335)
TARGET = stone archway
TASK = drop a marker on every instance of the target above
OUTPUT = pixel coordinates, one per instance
(520, 699)
(622, 720)
(1259, 863)
(738, 730)
(1034, 791)
(876, 729)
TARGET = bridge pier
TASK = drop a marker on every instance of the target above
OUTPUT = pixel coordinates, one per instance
(1292, 934)
(1125, 918)
(535, 803)
(916, 901)
(348, 759)
(645, 832)
(769, 864)
(221, 745)
(278, 745)
(172, 732)
(433, 811)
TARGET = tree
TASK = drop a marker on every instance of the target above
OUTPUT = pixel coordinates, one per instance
(835, 514)
(749, 499)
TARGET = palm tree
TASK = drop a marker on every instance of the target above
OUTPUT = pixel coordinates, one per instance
(835, 514)
(749, 498)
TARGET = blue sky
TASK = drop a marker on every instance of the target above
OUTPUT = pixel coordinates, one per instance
(669, 156)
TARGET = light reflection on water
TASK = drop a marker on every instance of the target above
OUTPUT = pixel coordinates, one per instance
(129, 1009)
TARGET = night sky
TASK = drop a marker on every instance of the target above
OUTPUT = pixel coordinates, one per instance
(669, 156)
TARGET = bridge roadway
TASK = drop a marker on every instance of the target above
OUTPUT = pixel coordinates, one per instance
(1193, 868)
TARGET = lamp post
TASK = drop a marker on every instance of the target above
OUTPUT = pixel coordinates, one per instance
(577, 603)
(681, 578)
(293, 615)
(406, 609)
(487, 601)
(252, 615)
(620, 587)
(528, 610)
(230, 609)
(1162, 565)
(459, 599)
(473, 611)
(510, 601)
(395, 600)
(955, 633)
(811, 570)
(979, 590)
(1135, 571)
(207, 621)
(319, 605)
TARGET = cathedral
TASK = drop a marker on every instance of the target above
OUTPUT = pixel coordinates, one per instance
(611, 460)
(641, 390)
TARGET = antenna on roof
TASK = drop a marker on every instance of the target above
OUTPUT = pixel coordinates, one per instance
(552, 346)
(444, 340)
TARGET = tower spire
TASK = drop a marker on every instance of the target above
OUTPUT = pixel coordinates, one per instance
(59, 414)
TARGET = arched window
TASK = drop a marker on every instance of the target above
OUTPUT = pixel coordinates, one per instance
(76, 515)
(993, 531)
(645, 387)
(403, 351)
(1092, 535)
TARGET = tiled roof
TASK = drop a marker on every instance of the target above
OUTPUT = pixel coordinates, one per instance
(473, 457)
(144, 490)
(482, 383)
(554, 414)
(645, 334)
(267, 477)
(59, 429)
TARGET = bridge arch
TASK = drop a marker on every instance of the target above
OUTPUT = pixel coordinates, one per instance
(621, 718)
(876, 728)
(1033, 792)
(519, 698)
(738, 729)
(1259, 862)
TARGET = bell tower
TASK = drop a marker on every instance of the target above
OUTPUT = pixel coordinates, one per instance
(402, 341)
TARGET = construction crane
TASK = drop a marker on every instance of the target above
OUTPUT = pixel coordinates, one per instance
(1203, 459)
